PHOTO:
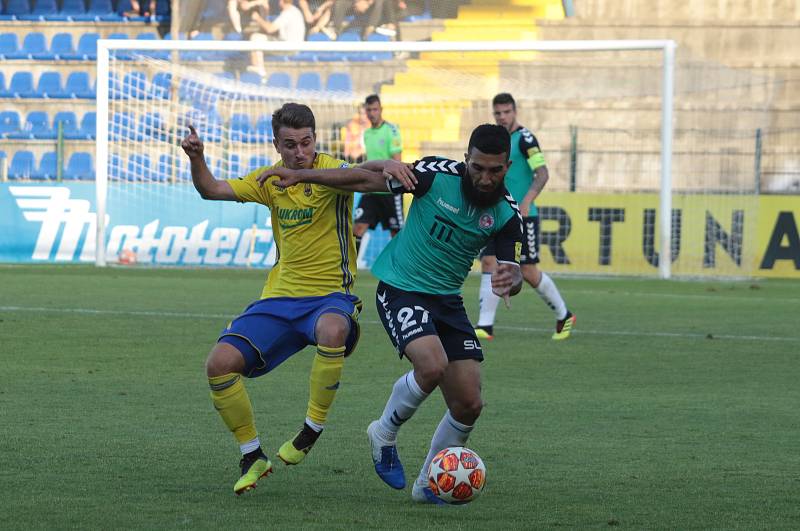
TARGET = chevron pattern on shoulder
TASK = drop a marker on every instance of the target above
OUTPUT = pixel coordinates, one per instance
(441, 165)
(514, 205)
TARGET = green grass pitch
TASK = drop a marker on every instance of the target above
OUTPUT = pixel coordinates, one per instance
(675, 405)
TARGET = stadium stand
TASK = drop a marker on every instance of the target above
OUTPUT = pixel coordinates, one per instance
(49, 49)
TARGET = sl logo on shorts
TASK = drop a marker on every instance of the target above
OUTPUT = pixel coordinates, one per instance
(486, 221)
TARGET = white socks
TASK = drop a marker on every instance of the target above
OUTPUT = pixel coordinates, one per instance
(548, 291)
(406, 397)
(449, 432)
(488, 301)
(249, 446)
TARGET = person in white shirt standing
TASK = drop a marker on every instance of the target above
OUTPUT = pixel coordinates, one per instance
(288, 26)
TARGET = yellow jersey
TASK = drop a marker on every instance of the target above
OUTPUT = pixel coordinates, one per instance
(311, 227)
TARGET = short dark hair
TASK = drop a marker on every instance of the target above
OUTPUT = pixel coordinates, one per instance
(372, 98)
(490, 139)
(293, 116)
(504, 98)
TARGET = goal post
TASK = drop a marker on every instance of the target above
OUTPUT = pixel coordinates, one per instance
(115, 57)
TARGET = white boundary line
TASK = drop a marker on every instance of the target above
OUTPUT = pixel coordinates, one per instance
(186, 315)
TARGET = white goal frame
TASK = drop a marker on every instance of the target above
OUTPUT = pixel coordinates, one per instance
(668, 47)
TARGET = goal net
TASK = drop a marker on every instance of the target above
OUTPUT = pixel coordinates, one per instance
(601, 110)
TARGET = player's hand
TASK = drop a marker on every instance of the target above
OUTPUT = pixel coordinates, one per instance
(503, 280)
(285, 177)
(402, 172)
(525, 209)
(192, 144)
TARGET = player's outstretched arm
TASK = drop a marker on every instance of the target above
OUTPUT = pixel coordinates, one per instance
(356, 179)
(204, 181)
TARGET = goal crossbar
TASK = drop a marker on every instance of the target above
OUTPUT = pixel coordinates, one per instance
(668, 47)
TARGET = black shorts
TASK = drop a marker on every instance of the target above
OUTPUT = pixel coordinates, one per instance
(386, 209)
(530, 242)
(407, 315)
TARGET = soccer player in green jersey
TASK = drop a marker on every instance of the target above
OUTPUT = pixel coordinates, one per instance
(458, 207)
(382, 142)
(525, 180)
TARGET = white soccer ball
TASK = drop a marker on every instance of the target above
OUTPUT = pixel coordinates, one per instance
(457, 475)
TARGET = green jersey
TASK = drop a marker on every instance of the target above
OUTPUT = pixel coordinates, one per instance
(526, 157)
(382, 142)
(444, 232)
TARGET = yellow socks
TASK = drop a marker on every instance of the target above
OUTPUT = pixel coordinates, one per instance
(231, 401)
(324, 381)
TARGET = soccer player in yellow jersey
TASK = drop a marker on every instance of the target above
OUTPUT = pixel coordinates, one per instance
(307, 299)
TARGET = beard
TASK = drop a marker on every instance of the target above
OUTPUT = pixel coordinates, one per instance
(478, 198)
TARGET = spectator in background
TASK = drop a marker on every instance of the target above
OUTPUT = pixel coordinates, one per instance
(380, 15)
(317, 14)
(136, 9)
(288, 26)
(241, 12)
(352, 135)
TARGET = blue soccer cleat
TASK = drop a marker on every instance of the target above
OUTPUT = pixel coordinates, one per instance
(384, 455)
(421, 493)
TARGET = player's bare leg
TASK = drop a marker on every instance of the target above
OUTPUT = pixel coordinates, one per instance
(547, 290)
(461, 388)
(331, 331)
(429, 359)
(224, 368)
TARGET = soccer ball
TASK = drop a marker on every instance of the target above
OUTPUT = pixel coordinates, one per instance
(457, 475)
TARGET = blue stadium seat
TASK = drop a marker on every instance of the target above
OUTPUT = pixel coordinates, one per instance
(102, 10)
(48, 167)
(279, 80)
(139, 169)
(68, 121)
(16, 9)
(9, 123)
(263, 129)
(167, 168)
(161, 85)
(205, 55)
(89, 125)
(241, 129)
(258, 161)
(114, 167)
(73, 9)
(4, 93)
(377, 37)
(340, 82)
(309, 81)
(155, 54)
(151, 126)
(33, 47)
(134, 86)
(87, 48)
(21, 85)
(61, 46)
(49, 86)
(122, 126)
(9, 45)
(77, 86)
(37, 125)
(47, 10)
(22, 165)
(235, 166)
(80, 167)
(251, 77)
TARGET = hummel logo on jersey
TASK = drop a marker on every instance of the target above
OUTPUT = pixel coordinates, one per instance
(449, 166)
(527, 135)
(449, 207)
